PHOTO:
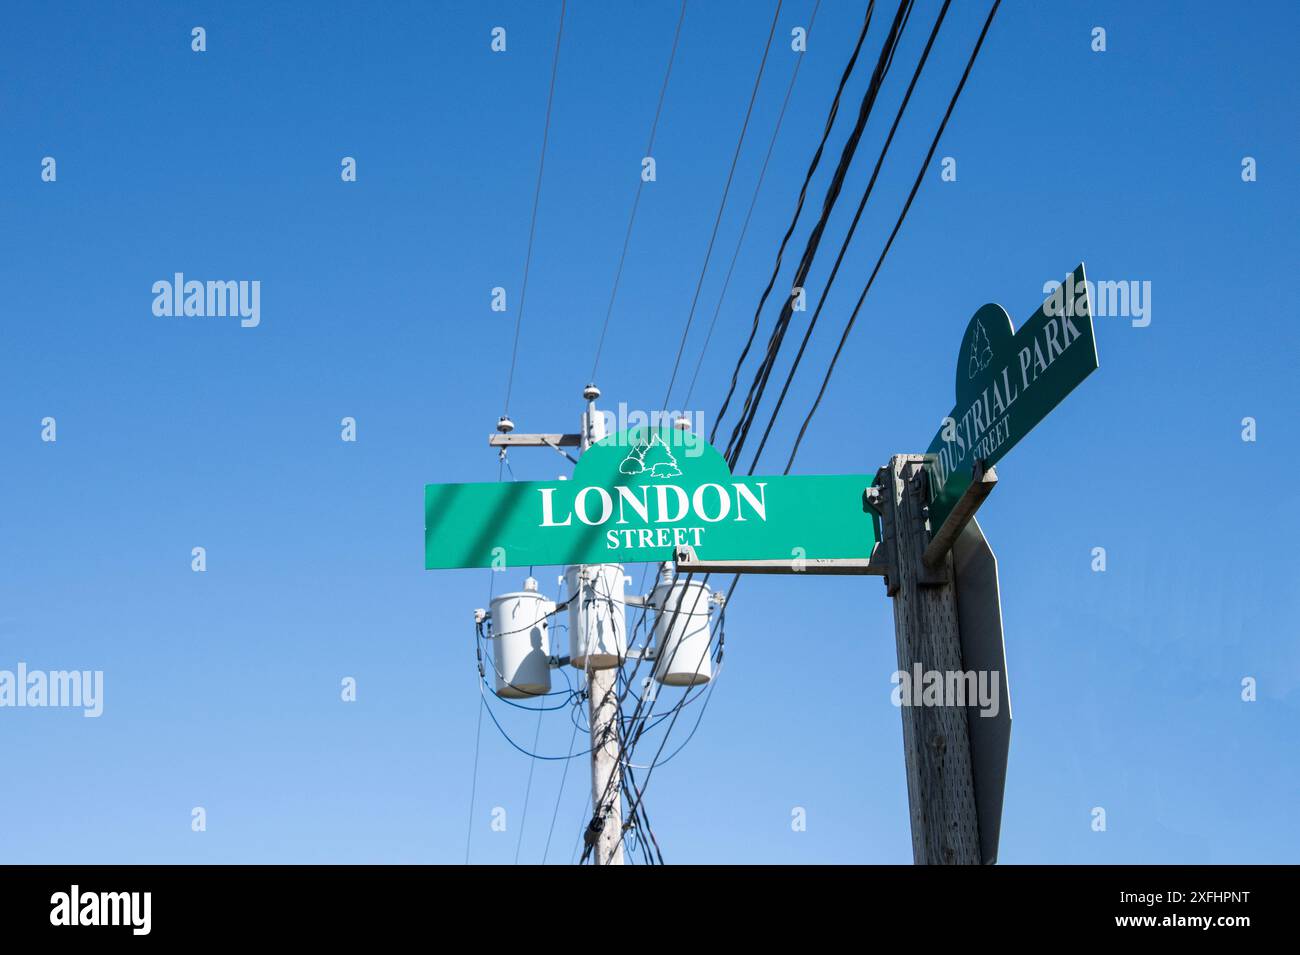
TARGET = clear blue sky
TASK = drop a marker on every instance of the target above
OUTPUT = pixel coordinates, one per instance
(222, 688)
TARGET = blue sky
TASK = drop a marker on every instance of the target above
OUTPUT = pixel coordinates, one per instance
(222, 687)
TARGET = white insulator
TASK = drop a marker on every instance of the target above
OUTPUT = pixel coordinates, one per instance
(597, 616)
(681, 633)
(521, 648)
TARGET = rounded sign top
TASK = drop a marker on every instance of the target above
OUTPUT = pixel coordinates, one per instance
(656, 454)
(987, 336)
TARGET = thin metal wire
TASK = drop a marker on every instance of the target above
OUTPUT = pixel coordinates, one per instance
(532, 224)
(636, 201)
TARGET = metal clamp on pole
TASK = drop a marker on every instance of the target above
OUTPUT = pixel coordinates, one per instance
(879, 500)
(983, 479)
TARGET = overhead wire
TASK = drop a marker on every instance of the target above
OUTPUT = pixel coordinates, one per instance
(848, 238)
(744, 228)
(916, 185)
(528, 787)
(559, 796)
(532, 222)
(482, 703)
(886, 56)
(639, 791)
(636, 200)
(722, 205)
(803, 192)
(636, 814)
(601, 808)
(754, 397)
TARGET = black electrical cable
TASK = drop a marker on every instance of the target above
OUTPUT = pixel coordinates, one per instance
(848, 327)
(676, 711)
(848, 238)
(886, 58)
(803, 192)
(916, 186)
(601, 807)
(753, 399)
(508, 739)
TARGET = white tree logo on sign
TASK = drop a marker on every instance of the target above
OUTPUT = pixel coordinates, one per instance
(651, 457)
(981, 352)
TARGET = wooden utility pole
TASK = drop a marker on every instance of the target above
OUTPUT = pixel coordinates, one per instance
(936, 741)
(606, 765)
(602, 697)
(592, 587)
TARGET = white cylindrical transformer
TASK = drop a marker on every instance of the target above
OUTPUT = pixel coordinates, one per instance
(681, 633)
(521, 649)
(597, 615)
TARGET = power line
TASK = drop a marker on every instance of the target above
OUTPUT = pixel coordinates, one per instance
(598, 808)
(848, 238)
(626, 752)
(508, 739)
(712, 683)
(637, 830)
(532, 224)
(803, 192)
(887, 53)
(886, 57)
(637, 800)
(756, 389)
(528, 788)
(762, 174)
(482, 703)
(636, 201)
(560, 796)
(473, 789)
(848, 326)
(717, 221)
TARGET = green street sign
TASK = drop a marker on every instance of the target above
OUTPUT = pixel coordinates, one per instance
(636, 496)
(1007, 382)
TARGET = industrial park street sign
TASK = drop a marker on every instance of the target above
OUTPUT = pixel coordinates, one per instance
(636, 496)
(1007, 382)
